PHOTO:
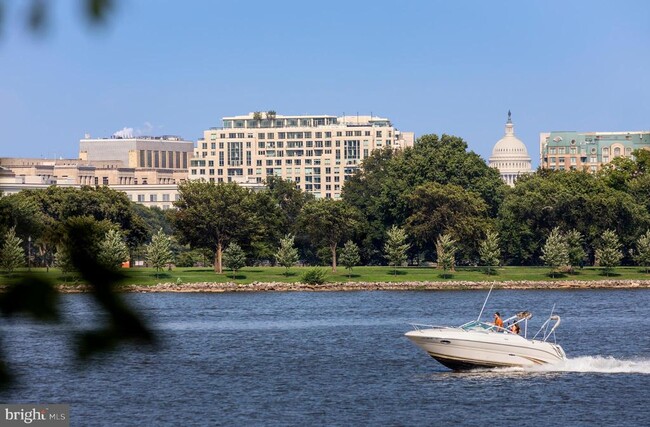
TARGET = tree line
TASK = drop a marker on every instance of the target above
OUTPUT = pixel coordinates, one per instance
(435, 201)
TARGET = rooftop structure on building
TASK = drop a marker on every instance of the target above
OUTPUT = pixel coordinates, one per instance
(510, 155)
(317, 152)
(162, 152)
(564, 150)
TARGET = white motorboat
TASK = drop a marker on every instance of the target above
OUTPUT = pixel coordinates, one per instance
(478, 344)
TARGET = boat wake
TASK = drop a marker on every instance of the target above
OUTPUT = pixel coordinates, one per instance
(597, 364)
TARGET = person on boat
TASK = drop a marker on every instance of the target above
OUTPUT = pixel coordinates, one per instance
(497, 321)
(515, 329)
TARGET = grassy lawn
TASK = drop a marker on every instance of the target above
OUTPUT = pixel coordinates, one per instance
(147, 276)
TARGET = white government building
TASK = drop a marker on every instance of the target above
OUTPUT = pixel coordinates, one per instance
(510, 156)
(148, 169)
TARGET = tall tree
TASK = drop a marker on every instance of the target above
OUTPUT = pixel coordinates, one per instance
(642, 256)
(159, 251)
(350, 256)
(327, 222)
(287, 254)
(489, 251)
(234, 258)
(446, 251)
(58, 204)
(211, 215)
(113, 251)
(577, 252)
(568, 199)
(271, 225)
(440, 208)
(289, 198)
(12, 255)
(62, 260)
(609, 254)
(383, 186)
(396, 247)
(555, 252)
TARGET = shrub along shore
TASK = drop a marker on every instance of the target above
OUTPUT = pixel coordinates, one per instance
(261, 279)
(210, 287)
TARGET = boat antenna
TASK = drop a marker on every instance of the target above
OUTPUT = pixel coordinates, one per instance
(485, 302)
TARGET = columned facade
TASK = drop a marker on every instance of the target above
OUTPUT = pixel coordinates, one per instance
(510, 156)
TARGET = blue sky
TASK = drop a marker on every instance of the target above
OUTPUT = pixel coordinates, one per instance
(456, 67)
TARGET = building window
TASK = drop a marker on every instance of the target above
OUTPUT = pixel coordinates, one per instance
(235, 153)
(351, 149)
(165, 197)
(140, 197)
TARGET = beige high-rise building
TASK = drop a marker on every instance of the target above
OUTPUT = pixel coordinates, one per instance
(317, 152)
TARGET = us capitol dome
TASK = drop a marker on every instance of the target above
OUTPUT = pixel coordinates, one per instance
(510, 156)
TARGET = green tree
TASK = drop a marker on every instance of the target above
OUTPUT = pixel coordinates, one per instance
(350, 256)
(154, 218)
(489, 251)
(159, 251)
(289, 198)
(446, 251)
(234, 258)
(112, 250)
(287, 254)
(210, 215)
(12, 255)
(609, 254)
(396, 247)
(327, 222)
(569, 200)
(62, 260)
(577, 252)
(555, 252)
(382, 188)
(59, 204)
(441, 208)
(642, 256)
(271, 225)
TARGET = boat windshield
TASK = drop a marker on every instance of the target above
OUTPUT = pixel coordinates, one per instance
(476, 325)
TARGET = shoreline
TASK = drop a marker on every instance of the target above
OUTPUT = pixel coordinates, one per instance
(212, 287)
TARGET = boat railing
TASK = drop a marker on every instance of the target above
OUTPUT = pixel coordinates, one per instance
(544, 330)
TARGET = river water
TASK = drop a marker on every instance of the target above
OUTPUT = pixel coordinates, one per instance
(337, 358)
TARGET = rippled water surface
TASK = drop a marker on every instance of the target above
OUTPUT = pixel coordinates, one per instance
(338, 358)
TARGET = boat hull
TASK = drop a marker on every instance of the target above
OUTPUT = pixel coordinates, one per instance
(460, 349)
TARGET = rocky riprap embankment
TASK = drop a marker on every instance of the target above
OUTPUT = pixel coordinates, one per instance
(368, 286)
